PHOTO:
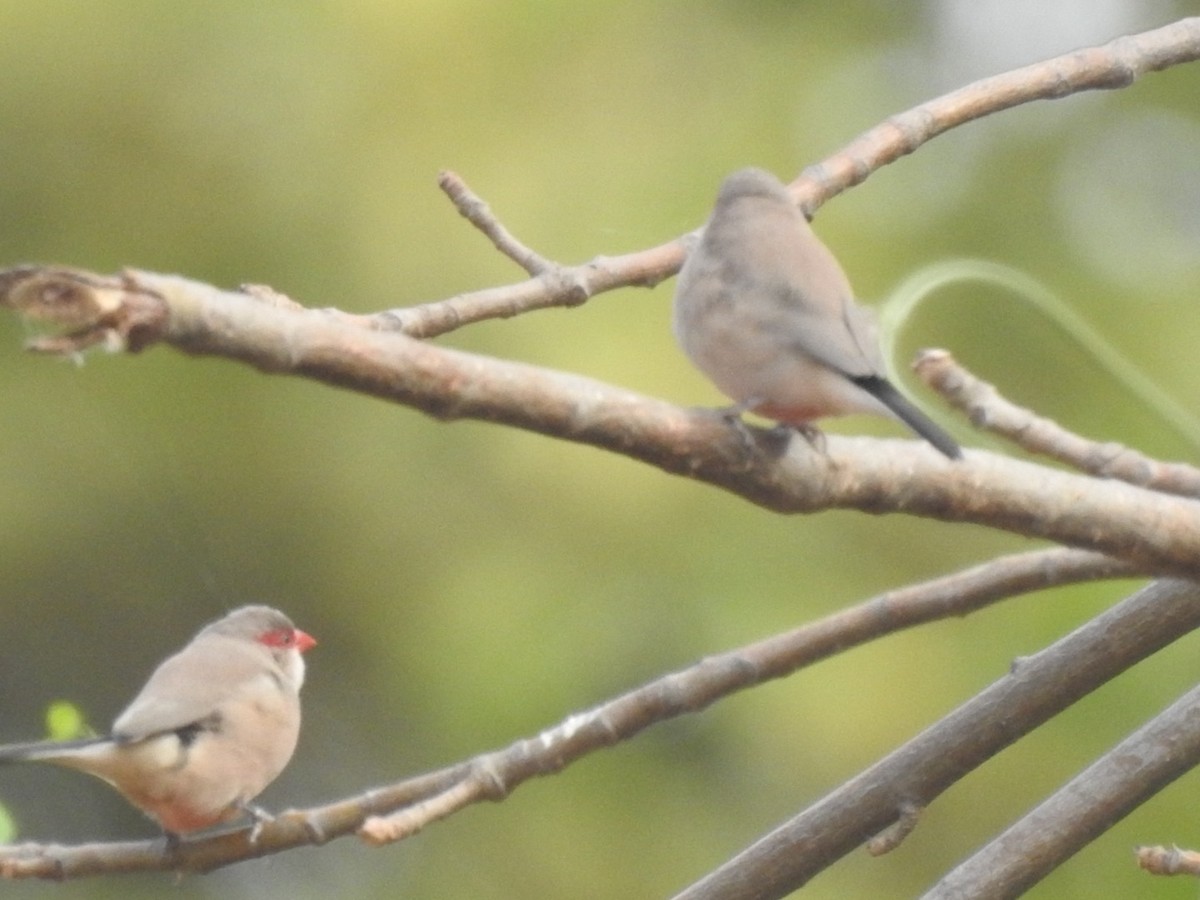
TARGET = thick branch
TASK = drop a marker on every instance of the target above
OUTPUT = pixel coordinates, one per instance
(1092, 802)
(909, 778)
(1155, 532)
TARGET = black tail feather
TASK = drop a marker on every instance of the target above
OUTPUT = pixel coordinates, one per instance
(885, 392)
(43, 750)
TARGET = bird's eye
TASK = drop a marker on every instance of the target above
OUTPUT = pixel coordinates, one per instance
(288, 639)
(280, 637)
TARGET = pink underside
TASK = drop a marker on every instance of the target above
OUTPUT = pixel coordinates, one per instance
(181, 820)
(794, 415)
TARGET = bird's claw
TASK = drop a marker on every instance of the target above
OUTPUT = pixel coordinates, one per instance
(813, 435)
(260, 816)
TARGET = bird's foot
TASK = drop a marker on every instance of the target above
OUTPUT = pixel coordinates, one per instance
(260, 816)
(732, 416)
(813, 435)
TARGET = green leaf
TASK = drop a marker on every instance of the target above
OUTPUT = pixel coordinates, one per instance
(64, 721)
(8, 828)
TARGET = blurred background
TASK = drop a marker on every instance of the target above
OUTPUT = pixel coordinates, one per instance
(471, 585)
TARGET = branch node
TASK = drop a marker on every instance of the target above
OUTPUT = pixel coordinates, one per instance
(568, 284)
(313, 829)
(270, 296)
(113, 312)
(486, 775)
(891, 837)
(1168, 861)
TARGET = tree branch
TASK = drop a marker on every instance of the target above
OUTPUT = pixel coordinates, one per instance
(1159, 534)
(1092, 802)
(397, 811)
(473, 208)
(987, 409)
(378, 355)
(911, 777)
(1116, 64)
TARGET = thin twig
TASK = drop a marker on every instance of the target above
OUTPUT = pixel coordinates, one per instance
(1116, 64)
(716, 677)
(989, 410)
(1168, 861)
(473, 208)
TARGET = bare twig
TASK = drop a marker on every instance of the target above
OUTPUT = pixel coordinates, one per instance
(473, 208)
(1168, 861)
(988, 410)
(398, 811)
(562, 286)
(404, 823)
(288, 830)
(1038, 688)
(715, 678)
(1116, 64)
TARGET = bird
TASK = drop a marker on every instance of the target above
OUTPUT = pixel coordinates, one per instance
(763, 308)
(212, 727)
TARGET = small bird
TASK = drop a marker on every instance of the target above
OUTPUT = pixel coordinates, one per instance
(214, 725)
(765, 311)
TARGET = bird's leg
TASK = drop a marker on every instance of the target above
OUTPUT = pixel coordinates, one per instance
(172, 844)
(260, 816)
(733, 415)
(811, 433)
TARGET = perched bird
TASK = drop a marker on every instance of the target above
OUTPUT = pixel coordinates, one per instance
(214, 725)
(764, 310)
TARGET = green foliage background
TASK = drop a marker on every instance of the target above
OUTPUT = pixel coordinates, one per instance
(471, 585)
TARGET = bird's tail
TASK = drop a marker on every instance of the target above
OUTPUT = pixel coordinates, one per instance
(46, 751)
(906, 411)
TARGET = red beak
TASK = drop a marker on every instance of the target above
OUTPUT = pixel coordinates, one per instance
(304, 640)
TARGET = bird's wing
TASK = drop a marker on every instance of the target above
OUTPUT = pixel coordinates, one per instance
(815, 302)
(190, 686)
(842, 339)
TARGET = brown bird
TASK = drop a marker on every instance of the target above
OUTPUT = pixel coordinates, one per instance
(764, 310)
(214, 725)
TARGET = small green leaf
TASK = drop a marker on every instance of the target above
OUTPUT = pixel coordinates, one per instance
(8, 828)
(64, 721)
